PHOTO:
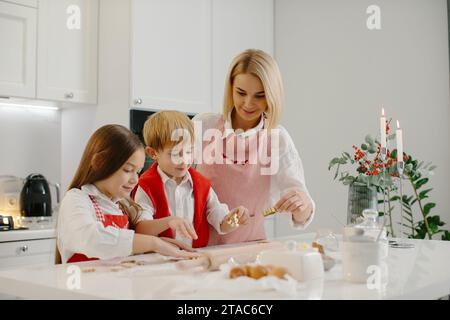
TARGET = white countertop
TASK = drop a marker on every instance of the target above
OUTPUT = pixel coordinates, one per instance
(419, 273)
(30, 234)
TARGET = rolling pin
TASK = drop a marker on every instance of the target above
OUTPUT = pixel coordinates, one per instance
(213, 257)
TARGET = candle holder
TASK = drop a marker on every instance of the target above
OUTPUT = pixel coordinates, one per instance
(383, 155)
(401, 243)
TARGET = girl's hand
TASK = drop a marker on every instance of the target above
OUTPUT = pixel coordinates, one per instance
(183, 227)
(181, 245)
(172, 249)
(239, 215)
(297, 203)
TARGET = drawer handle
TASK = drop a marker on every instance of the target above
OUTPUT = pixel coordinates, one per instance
(24, 249)
(68, 95)
(138, 101)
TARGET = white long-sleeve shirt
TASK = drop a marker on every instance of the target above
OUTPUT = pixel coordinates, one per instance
(180, 199)
(78, 230)
(290, 174)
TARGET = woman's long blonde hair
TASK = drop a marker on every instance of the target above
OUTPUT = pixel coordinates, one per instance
(263, 66)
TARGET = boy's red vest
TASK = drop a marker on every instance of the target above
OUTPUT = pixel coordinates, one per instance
(152, 184)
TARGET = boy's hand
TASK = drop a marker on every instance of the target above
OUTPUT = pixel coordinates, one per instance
(184, 227)
(234, 219)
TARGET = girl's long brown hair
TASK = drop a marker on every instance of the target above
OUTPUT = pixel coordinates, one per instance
(107, 150)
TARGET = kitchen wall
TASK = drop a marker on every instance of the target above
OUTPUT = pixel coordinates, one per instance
(30, 141)
(77, 125)
(337, 74)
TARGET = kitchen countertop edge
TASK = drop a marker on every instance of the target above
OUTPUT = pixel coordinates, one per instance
(23, 235)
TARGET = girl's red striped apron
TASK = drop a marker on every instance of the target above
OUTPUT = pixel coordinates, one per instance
(117, 221)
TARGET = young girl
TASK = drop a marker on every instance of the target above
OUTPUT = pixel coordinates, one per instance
(251, 111)
(97, 218)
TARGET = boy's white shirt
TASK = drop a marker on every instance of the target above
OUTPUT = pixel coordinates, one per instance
(180, 199)
(79, 231)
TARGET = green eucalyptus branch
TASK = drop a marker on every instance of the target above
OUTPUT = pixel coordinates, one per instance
(390, 213)
(419, 201)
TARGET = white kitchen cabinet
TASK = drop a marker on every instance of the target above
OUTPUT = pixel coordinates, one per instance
(18, 50)
(181, 49)
(67, 50)
(25, 253)
(27, 247)
(171, 54)
(237, 25)
(28, 3)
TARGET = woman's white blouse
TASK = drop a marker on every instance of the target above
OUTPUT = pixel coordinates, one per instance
(290, 174)
(78, 230)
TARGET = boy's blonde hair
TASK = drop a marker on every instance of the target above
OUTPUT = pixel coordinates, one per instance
(160, 126)
(263, 66)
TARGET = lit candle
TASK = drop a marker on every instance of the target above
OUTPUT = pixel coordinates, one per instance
(383, 131)
(399, 137)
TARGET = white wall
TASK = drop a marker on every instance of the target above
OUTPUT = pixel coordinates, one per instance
(77, 124)
(30, 142)
(337, 73)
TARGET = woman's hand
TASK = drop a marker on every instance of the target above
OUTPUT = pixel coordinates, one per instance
(172, 248)
(239, 214)
(297, 203)
(183, 227)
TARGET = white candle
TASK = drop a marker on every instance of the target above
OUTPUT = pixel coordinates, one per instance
(399, 136)
(383, 130)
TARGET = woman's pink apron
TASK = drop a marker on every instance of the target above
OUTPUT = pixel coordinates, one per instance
(240, 183)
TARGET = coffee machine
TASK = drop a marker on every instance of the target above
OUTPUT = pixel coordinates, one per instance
(36, 201)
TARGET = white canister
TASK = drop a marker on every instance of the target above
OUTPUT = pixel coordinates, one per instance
(303, 265)
(361, 259)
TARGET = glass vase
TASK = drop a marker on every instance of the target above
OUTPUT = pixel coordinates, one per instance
(360, 197)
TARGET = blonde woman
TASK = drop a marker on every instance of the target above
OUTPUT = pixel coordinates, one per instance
(259, 167)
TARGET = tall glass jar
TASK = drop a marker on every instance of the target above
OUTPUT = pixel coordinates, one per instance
(365, 246)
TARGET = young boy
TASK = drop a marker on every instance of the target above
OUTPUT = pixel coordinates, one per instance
(171, 188)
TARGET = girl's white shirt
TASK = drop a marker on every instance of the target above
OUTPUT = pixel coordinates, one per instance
(79, 231)
(290, 174)
(180, 199)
